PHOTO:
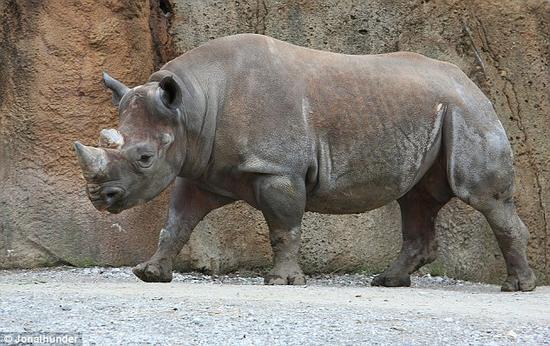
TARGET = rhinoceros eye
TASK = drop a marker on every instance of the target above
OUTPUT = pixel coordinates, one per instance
(145, 160)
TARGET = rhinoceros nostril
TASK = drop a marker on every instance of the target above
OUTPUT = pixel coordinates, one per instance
(111, 195)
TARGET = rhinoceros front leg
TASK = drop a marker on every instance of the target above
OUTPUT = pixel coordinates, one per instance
(282, 202)
(188, 206)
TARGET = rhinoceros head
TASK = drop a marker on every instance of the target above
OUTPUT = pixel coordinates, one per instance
(135, 162)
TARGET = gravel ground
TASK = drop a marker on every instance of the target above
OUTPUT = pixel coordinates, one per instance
(110, 306)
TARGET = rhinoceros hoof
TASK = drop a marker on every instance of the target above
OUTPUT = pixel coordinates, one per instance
(153, 272)
(282, 279)
(523, 283)
(391, 281)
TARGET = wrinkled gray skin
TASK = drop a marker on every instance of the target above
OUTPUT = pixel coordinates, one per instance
(289, 129)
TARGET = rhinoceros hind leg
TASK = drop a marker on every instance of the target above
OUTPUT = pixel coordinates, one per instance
(512, 236)
(419, 207)
(282, 202)
(481, 173)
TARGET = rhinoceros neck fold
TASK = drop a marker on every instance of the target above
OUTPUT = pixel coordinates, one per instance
(198, 125)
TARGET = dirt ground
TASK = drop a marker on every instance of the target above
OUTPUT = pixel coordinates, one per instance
(110, 306)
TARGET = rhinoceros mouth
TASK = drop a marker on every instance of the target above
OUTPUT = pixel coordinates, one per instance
(115, 210)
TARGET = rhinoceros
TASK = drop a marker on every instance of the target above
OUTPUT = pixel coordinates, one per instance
(289, 129)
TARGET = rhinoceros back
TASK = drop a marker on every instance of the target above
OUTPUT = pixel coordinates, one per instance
(361, 130)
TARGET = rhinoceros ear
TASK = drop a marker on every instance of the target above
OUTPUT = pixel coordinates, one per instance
(118, 88)
(170, 92)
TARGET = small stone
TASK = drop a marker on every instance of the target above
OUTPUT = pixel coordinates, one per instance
(512, 335)
(397, 328)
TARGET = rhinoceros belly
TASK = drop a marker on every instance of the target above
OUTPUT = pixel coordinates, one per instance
(374, 163)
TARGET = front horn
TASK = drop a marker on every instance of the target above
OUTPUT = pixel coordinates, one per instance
(93, 161)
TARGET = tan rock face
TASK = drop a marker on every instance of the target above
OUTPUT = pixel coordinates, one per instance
(52, 56)
(51, 94)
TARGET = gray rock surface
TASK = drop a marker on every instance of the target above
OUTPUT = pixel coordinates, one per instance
(503, 47)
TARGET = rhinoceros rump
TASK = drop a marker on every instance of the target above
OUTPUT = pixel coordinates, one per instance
(289, 129)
